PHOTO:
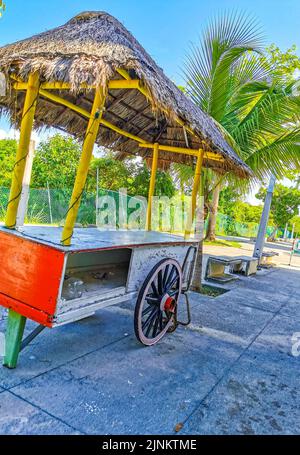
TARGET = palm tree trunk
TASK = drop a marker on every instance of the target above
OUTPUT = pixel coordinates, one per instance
(212, 220)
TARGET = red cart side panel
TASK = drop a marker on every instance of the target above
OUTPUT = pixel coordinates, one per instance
(29, 312)
(30, 274)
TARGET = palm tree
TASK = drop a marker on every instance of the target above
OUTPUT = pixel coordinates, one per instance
(2, 7)
(228, 77)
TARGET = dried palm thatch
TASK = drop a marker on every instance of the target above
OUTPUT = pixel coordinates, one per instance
(90, 48)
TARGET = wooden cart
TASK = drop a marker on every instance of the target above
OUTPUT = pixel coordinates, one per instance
(55, 285)
(93, 80)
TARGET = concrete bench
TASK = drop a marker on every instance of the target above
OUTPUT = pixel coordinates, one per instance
(247, 267)
(266, 259)
(216, 266)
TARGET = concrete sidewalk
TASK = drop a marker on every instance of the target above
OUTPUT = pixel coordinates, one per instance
(230, 372)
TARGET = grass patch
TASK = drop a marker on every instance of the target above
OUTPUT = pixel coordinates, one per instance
(212, 291)
(219, 242)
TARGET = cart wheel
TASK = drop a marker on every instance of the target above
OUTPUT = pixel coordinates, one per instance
(157, 300)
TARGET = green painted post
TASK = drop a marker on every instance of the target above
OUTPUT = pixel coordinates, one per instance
(13, 338)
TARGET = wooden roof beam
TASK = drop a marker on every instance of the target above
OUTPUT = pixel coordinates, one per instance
(57, 99)
(118, 84)
(184, 151)
(147, 94)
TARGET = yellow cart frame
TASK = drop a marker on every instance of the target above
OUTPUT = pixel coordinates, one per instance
(34, 89)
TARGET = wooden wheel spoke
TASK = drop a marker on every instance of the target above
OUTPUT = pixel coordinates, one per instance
(154, 288)
(170, 277)
(160, 282)
(148, 322)
(147, 310)
(147, 327)
(155, 325)
(161, 326)
(173, 292)
(165, 276)
(173, 282)
(152, 300)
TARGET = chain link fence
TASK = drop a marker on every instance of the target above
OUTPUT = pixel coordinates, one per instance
(49, 206)
(228, 226)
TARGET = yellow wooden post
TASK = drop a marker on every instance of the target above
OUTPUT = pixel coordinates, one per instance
(83, 167)
(23, 149)
(195, 191)
(152, 185)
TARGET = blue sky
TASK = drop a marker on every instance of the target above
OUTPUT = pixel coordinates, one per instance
(164, 27)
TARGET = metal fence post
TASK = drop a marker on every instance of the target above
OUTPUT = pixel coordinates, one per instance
(260, 239)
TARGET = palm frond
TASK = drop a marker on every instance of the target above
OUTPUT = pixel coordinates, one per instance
(277, 156)
(257, 110)
(209, 66)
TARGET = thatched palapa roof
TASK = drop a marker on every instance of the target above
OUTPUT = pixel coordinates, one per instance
(90, 49)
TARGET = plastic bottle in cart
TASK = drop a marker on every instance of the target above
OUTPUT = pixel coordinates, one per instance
(72, 289)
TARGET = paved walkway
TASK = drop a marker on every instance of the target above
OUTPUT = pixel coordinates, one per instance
(231, 371)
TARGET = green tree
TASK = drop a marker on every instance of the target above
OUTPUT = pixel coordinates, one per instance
(55, 162)
(228, 200)
(8, 150)
(296, 222)
(284, 207)
(2, 7)
(294, 176)
(164, 185)
(239, 211)
(284, 64)
(243, 212)
(258, 112)
(230, 79)
(113, 174)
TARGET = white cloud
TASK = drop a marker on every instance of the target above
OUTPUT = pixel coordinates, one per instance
(7, 134)
(11, 133)
(15, 134)
(251, 199)
(37, 137)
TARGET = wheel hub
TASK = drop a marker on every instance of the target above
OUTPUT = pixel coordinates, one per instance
(167, 303)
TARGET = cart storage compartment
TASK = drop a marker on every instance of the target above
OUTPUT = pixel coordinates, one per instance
(91, 277)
